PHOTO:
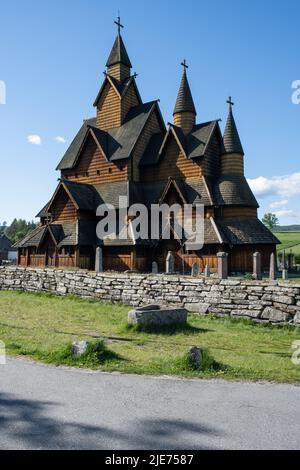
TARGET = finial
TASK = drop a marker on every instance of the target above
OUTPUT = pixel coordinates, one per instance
(230, 102)
(118, 23)
(184, 65)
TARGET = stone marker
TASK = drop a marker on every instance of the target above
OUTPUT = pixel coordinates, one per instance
(154, 267)
(283, 260)
(285, 275)
(99, 260)
(207, 271)
(170, 263)
(195, 270)
(222, 265)
(195, 357)
(290, 261)
(79, 348)
(257, 266)
(273, 273)
(157, 316)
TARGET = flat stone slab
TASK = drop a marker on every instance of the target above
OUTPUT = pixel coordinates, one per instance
(159, 317)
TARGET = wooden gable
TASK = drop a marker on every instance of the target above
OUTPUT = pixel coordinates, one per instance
(93, 168)
(62, 207)
(173, 163)
(129, 99)
(113, 105)
(109, 108)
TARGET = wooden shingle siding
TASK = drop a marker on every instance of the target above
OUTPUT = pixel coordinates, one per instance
(119, 71)
(232, 164)
(185, 121)
(109, 109)
(173, 163)
(93, 168)
(239, 212)
(62, 208)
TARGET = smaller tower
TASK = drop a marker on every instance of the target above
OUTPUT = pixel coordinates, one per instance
(232, 162)
(185, 111)
(118, 64)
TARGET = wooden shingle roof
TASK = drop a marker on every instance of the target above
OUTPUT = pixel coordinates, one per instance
(234, 190)
(184, 102)
(231, 139)
(246, 232)
(117, 144)
(118, 54)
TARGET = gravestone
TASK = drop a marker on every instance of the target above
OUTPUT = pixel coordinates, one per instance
(257, 266)
(222, 265)
(207, 271)
(195, 357)
(285, 274)
(80, 348)
(154, 267)
(99, 260)
(170, 263)
(153, 315)
(272, 274)
(283, 260)
(195, 270)
(290, 261)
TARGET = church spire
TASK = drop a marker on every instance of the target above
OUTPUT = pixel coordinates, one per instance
(232, 161)
(185, 111)
(118, 63)
(232, 142)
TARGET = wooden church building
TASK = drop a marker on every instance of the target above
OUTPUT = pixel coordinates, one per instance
(126, 150)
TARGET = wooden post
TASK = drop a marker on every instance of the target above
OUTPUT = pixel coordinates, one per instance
(27, 257)
(77, 257)
(133, 258)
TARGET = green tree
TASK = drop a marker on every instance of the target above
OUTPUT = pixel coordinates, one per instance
(19, 229)
(270, 220)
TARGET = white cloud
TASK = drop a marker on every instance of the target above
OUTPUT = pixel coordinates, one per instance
(284, 186)
(34, 139)
(287, 213)
(279, 204)
(60, 140)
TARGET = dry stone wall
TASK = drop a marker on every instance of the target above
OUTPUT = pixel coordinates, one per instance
(276, 302)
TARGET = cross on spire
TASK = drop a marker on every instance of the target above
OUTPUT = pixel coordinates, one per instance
(118, 23)
(184, 65)
(230, 102)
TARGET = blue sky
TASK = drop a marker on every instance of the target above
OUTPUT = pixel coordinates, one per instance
(53, 55)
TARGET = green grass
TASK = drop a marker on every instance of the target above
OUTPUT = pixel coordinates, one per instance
(44, 327)
(289, 240)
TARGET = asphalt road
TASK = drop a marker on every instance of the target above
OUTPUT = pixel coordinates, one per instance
(44, 407)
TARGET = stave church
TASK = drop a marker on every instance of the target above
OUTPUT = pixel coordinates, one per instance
(127, 150)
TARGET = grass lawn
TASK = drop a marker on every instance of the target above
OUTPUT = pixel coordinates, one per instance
(289, 240)
(43, 327)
